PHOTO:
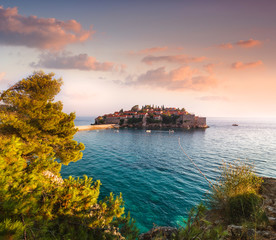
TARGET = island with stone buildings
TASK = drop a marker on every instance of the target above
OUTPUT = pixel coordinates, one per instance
(153, 117)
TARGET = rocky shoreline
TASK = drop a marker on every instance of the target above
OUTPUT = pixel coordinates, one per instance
(268, 192)
(163, 126)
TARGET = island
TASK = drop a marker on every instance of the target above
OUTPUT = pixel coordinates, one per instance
(153, 117)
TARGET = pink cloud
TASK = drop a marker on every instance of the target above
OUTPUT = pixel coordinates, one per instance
(120, 68)
(213, 98)
(181, 59)
(41, 33)
(209, 68)
(248, 43)
(242, 43)
(2, 75)
(180, 79)
(241, 65)
(66, 60)
(226, 45)
(149, 50)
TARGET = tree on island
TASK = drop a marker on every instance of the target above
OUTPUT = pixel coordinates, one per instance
(135, 108)
(35, 201)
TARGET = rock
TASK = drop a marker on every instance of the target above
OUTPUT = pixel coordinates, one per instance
(164, 233)
(272, 221)
(267, 235)
(250, 233)
(271, 209)
(234, 231)
(239, 232)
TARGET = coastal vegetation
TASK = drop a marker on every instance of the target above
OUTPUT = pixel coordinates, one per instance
(234, 210)
(237, 192)
(35, 201)
(234, 199)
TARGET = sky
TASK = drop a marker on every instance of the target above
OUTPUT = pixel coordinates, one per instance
(214, 58)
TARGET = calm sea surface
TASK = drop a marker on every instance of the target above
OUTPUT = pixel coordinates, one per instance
(159, 184)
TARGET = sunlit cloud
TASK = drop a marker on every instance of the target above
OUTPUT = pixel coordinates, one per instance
(213, 98)
(180, 79)
(241, 65)
(65, 60)
(180, 59)
(2, 75)
(248, 43)
(120, 68)
(226, 45)
(209, 68)
(41, 33)
(149, 50)
(242, 43)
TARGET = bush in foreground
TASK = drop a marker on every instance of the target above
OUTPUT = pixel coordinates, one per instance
(234, 199)
(237, 192)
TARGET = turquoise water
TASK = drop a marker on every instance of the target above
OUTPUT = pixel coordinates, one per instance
(159, 184)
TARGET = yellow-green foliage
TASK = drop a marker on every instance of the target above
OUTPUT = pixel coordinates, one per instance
(238, 178)
(237, 191)
(197, 227)
(30, 113)
(35, 202)
(48, 205)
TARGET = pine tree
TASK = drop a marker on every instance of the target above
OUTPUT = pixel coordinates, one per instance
(135, 108)
(30, 114)
(35, 202)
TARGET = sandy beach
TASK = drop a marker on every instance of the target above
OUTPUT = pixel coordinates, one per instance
(95, 127)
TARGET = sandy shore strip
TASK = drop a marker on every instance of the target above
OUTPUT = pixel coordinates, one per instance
(96, 127)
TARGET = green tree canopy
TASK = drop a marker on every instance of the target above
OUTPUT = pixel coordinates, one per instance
(135, 108)
(35, 201)
(37, 204)
(30, 113)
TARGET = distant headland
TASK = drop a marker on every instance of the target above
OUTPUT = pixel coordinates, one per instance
(153, 117)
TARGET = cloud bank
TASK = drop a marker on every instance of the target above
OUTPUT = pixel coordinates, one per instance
(2, 75)
(180, 79)
(213, 98)
(209, 68)
(41, 33)
(241, 65)
(241, 43)
(181, 59)
(226, 45)
(66, 60)
(248, 43)
(149, 50)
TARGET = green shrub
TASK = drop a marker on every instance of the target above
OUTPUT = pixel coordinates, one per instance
(237, 192)
(236, 179)
(152, 120)
(121, 122)
(243, 206)
(134, 120)
(168, 119)
(197, 227)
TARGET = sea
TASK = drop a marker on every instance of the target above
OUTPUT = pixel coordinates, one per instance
(159, 183)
